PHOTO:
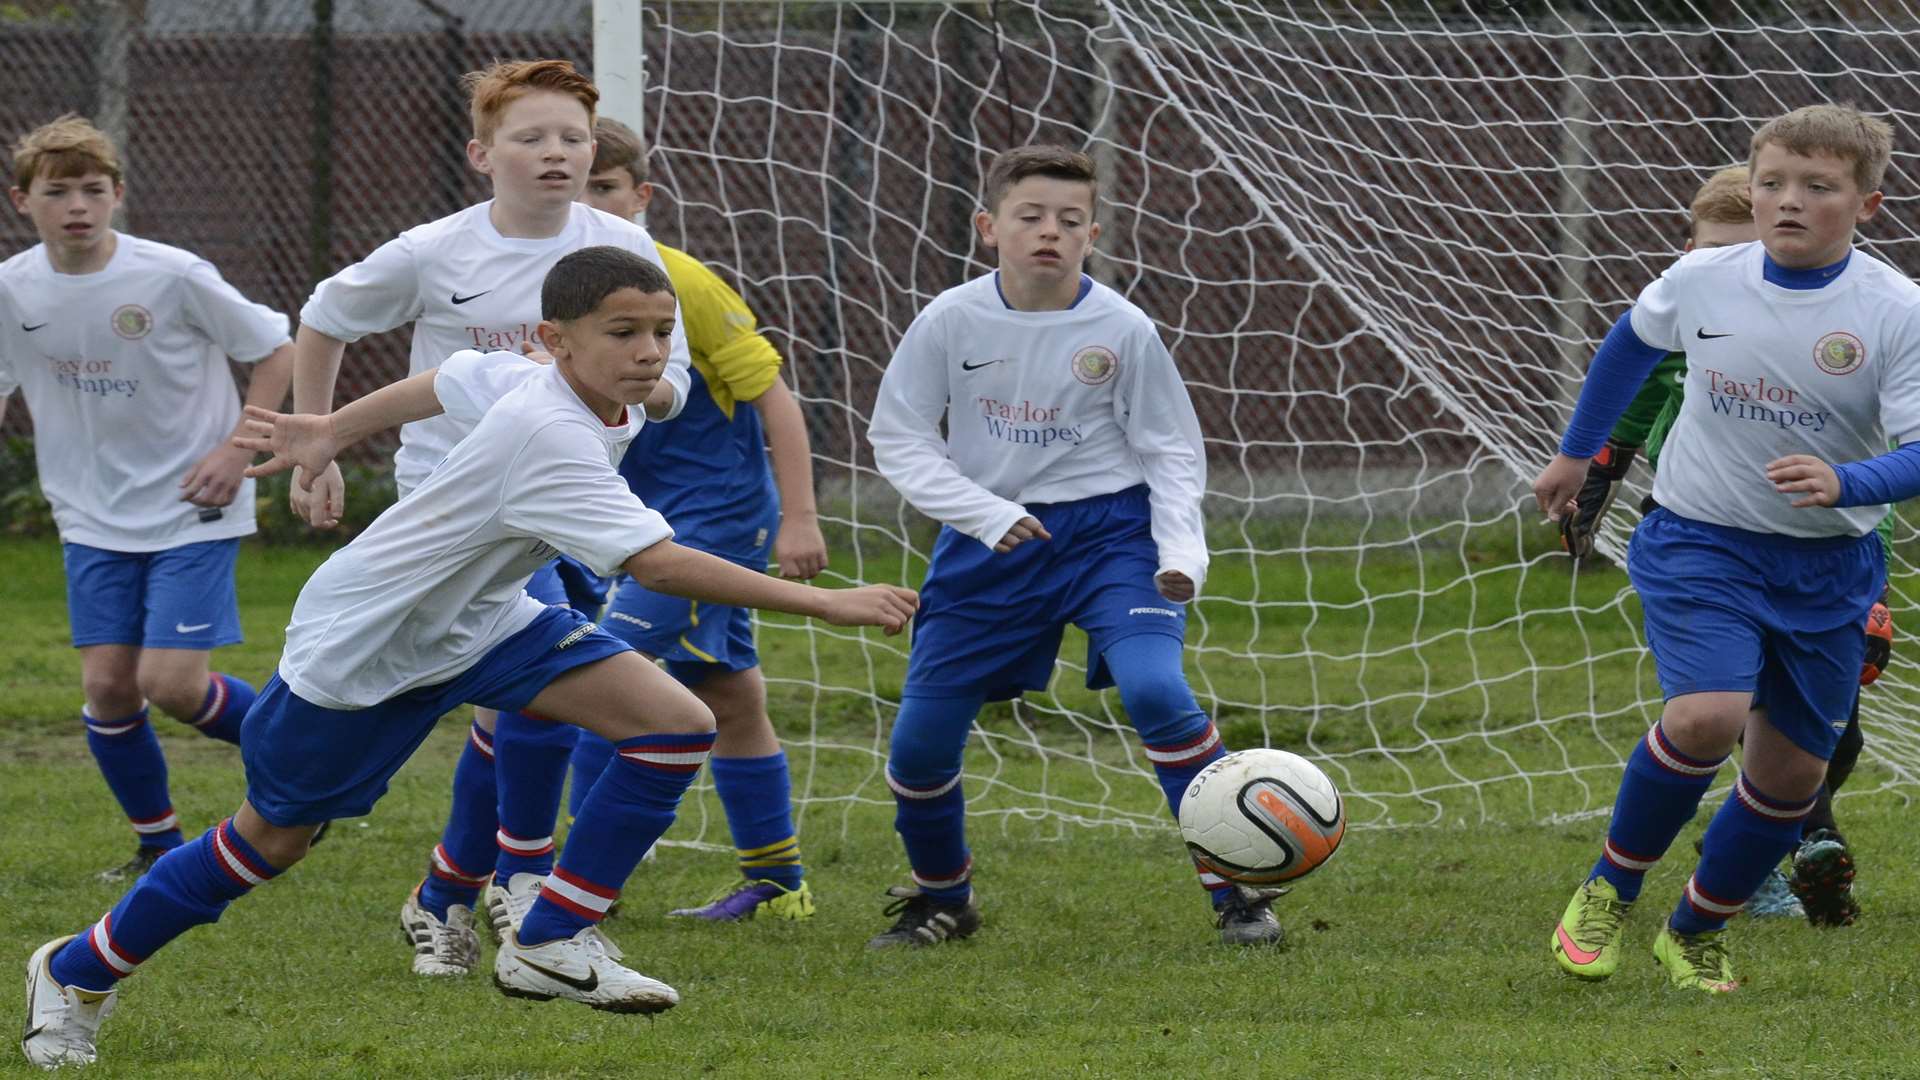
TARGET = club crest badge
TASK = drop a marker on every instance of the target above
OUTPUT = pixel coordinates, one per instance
(1095, 364)
(131, 321)
(1839, 353)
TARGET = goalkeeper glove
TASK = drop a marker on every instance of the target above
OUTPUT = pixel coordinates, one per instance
(1605, 473)
(1879, 643)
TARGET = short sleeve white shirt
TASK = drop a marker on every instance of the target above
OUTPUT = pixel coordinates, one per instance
(463, 286)
(1833, 372)
(439, 579)
(125, 372)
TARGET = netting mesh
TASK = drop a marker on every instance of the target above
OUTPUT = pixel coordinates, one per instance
(1381, 241)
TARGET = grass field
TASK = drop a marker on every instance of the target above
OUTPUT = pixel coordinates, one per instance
(1419, 952)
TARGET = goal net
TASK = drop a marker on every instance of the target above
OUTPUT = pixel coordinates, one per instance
(1382, 242)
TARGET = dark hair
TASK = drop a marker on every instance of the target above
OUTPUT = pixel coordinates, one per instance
(1058, 162)
(617, 146)
(582, 280)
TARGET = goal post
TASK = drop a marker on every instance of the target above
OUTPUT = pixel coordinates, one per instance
(1380, 243)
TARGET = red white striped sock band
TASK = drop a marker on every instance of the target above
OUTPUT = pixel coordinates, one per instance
(1211, 881)
(951, 881)
(1673, 760)
(238, 866)
(682, 757)
(100, 938)
(578, 895)
(215, 704)
(1709, 906)
(154, 826)
(445, 869)
(1766, 805)
(481, 738)
(1189, 752)
(113, 727)
(933, 792)
(523, 846)
(1639, 864)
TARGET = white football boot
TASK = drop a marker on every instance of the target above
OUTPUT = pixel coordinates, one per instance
(577, 969)
(62, 1021)
(439, 948)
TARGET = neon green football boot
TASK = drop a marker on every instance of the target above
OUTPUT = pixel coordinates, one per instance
(1587, 942)
(1696, 961)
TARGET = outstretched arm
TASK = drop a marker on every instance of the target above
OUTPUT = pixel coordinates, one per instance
(667, 567)
(800, 549)
(311, 442)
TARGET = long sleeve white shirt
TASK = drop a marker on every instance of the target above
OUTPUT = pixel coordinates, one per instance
(1040, 407)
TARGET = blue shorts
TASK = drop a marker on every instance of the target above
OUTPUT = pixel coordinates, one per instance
(306, 764)
(1778, 617)
(696, 640)
(180, 598)
(990, 625)
(566, 582)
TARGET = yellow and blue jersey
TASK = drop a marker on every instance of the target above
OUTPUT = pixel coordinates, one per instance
(706, 470)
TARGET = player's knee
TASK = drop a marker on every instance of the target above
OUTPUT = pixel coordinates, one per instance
(178, 694)
(1162, 709)
(678, 715)
(111, 695)
(1704, 725)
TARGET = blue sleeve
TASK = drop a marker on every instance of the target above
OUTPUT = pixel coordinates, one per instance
(1890, 478)
(1618, 371)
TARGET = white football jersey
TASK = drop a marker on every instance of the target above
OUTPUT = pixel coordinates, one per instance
(464, 286)
(125, 373)
(1041, 407)
(439, 579)
(1771, 371)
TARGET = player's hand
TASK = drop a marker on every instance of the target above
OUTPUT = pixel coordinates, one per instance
(321, 501)
(535, 353)
(1027, 528)
(1804, 474)
(800, 549)
(215, 479)
(1174, 586)
(889, 607)
(1554, 489)
(1605, 473)
(1879, 642)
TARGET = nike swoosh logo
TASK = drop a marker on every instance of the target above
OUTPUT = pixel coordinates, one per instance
(966, 366)
(1704, 336)
(458, 299)
(1574, 952)
(31, 329)
(183, 628)
(586, 986)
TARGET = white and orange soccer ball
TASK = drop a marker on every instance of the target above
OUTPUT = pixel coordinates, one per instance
(1262, 817)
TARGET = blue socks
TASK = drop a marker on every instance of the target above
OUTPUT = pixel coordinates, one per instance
(128, 753)
(530, 768)
(930, 809)
(758, 797)
(224, 707)
(464, 859)
(591, 753)
(1746, 839)
(189, 886)
(1658, 796)
(629, 807)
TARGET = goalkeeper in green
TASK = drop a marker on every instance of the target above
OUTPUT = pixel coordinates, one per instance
(1822, 881)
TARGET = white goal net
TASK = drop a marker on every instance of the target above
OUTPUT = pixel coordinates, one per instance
(1381, 241)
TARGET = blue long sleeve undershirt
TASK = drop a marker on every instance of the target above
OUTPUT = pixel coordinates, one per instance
(1890, 478)
(1619, 369)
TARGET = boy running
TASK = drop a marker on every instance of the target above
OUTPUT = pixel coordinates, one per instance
(426, 610)
(1800, 352)
(121, 346)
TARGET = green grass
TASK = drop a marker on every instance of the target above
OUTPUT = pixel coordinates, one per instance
(1420, 951)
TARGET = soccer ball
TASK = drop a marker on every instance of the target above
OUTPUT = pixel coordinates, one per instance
(1261, 817)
